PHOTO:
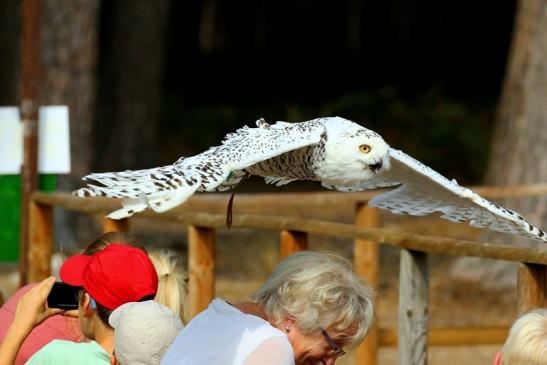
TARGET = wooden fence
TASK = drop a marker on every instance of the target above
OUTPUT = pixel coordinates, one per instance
(413, 335)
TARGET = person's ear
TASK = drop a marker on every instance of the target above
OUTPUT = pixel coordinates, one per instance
(86, 306)
(288, 323)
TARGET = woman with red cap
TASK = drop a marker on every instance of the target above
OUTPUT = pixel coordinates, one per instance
(172, 292)
(114, 276)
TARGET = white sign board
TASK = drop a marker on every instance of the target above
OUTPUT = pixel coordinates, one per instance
(11, 141)
(53, 140)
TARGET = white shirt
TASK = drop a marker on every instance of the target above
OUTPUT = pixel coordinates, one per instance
(223, 335)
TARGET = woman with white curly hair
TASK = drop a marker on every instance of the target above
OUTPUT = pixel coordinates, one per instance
(310, 308)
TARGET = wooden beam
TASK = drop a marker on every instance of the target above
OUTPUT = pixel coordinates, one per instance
(531, 287)
(464, 336)
(115, 225)
(292, 241)
(366, 260)
(201, 268)
(391, 237)
(413, 307)
(30, 94)
(249, 203)
(41, 242)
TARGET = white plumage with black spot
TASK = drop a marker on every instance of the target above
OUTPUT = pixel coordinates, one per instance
(339, 153)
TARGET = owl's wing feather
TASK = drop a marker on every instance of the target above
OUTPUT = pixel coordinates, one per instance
(159, 188)
(247, 146)
(218, 168)
(221, 166)
(424, 191)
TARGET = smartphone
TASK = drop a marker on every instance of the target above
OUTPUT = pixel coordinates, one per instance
(63, 296)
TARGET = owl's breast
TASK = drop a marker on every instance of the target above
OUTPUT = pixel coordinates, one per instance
(300, 164)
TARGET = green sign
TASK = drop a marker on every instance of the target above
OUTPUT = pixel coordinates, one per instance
(10, 212)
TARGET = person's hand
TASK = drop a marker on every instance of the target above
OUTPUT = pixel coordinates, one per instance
(31, 309)
(74, 313)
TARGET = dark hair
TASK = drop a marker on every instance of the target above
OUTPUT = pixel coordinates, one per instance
(108, 238)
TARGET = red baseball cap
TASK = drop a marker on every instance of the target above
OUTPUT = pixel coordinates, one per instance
(114, 276)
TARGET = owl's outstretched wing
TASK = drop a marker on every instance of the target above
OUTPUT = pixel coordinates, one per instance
(218, 168)
(221, 167)
(424, 191)
(158, 188)
(247, 146)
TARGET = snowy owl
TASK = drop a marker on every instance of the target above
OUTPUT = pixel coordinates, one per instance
(339, 153)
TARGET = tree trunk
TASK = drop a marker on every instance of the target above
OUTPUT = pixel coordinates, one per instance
(10, 32)
(69, 52)
(207, 26)
(519, 147)
(131, 73)
(353, 25)
(69, 59)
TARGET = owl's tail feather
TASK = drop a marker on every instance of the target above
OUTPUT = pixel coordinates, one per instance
(124, 184)
(160, 188)
(165, 200)
(130, 207)
(159, 202)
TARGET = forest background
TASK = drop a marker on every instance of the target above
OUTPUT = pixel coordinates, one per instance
(461, 86)
(148, 82)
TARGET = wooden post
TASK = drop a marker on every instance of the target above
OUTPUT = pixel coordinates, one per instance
(292, 241)
(413, 307)
(201, 268)
(531, 287)
(30, 93)
(41, 242)
(366, 259)
(115, 225)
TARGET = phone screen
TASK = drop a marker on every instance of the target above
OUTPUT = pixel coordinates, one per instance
(63, 296)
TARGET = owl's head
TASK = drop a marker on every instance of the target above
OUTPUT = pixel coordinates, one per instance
(354, 152)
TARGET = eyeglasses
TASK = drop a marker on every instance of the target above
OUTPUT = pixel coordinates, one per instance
(334, 351)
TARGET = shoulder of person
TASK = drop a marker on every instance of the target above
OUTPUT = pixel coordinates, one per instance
(53, 351)
(59, 351)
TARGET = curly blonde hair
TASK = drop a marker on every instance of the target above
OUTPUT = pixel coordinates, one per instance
(318, 290)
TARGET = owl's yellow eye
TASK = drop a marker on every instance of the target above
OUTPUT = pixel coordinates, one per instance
(365, 148)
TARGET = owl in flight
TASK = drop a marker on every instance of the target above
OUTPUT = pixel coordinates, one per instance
(339, 153)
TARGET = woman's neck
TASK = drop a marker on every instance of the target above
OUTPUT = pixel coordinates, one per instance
(252, 309)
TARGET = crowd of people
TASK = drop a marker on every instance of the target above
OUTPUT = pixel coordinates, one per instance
(131, 310)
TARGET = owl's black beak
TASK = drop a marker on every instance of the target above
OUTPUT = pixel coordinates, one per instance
(376, 167)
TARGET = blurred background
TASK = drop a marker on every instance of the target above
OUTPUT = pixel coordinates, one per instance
(461, 86)
(150, 81)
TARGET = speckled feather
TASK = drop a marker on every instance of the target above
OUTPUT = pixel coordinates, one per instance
(328, 150)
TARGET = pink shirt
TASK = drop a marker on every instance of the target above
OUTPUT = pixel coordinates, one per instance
(57, 327)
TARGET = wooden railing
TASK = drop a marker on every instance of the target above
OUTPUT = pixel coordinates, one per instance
(413, 334)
